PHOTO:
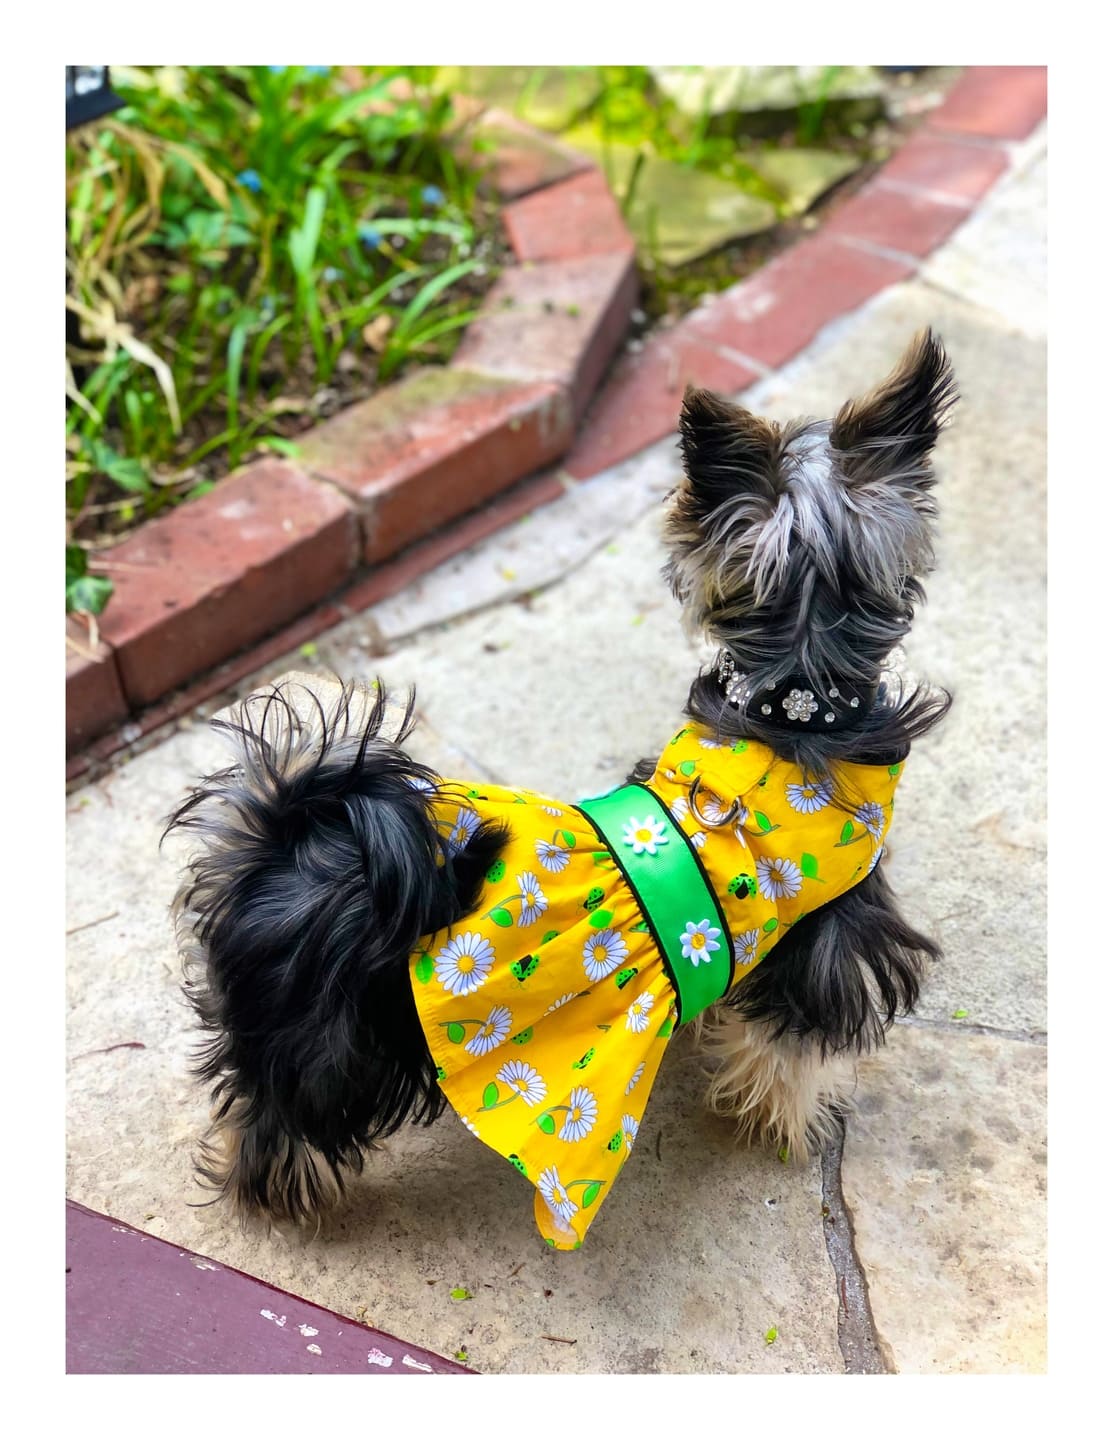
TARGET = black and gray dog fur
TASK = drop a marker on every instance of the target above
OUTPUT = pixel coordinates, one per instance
(800, 551)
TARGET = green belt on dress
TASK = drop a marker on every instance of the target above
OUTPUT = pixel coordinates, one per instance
(673, 893)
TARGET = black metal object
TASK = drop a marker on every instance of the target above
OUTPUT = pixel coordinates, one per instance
(88, 96)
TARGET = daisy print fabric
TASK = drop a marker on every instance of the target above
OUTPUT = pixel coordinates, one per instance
(792, 843)
(548, 1009)
(542, 1006)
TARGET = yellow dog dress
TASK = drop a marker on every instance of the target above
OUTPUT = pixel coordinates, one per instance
(605, 924)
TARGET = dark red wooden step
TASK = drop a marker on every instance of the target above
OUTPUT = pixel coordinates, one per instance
(136, 1305)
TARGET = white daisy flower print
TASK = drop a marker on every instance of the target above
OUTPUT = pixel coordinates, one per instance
(637, 1075)
(679, 809)
(534, 903)
(564, 999)
(700, 941)
(629, 1131)
(877, 854)
(778, 879)
(699, 839)
(637, 1015)
(745, 947)
(553, 810)
(807, 799)
(581, 1115)
(491, 1033)
(872, 817)
(469, 1125)
(418, 782)
(554, 858)
(710, 744)
(644, 835)
(463, 828)
(603, 953)
(556, 1196)
(464, 963)
(524, 1080)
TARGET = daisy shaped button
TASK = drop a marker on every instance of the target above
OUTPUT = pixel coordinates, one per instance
(699, 941)
(646, 836)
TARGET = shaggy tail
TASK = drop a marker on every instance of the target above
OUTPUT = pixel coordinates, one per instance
(320, 869)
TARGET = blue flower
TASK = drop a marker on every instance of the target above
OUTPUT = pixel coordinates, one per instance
(368, 234)
(433, 195)
(250, 180)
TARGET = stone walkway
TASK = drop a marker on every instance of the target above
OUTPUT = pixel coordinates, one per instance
(923, 1250)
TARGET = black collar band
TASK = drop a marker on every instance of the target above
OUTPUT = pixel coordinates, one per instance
(795, 703)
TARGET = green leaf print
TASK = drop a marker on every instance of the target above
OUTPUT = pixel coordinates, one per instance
(496, 872)
(502, 916)
(455, 1032)
(687, 767)
(546, 1124)
(423, 970)
(591, 1194)
(770, 925)
(600, 919)
(847, 832)
(490, 1096)
(568, 838)
(809, 865)
(894, 769)
(763, 821)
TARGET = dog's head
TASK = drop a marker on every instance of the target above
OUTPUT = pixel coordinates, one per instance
(800, 548)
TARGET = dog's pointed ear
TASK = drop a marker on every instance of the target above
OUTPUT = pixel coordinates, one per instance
(889, 434)
(727, 451)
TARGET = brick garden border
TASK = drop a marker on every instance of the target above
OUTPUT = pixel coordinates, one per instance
(375, 482)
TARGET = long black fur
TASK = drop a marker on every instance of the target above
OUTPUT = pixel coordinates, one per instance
(321, 870)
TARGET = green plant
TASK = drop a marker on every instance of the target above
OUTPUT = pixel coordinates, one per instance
(235, 237)
(811, 112)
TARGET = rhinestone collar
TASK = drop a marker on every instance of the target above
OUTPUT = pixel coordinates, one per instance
(795, 701)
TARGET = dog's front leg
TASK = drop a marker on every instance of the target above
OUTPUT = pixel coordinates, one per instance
(782, 1092)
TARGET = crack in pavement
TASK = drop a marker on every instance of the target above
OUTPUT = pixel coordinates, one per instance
(957, 1027)
(863, 1351)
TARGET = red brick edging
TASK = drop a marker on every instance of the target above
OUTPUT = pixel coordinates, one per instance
(275, 538)
(391, 471)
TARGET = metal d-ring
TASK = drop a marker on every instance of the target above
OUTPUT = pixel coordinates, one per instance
(727, 819)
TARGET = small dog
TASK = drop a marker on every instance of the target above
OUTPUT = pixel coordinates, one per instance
(365, 940)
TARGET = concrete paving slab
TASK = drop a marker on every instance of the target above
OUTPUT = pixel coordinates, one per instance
(945, 1177)
(998, 258)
